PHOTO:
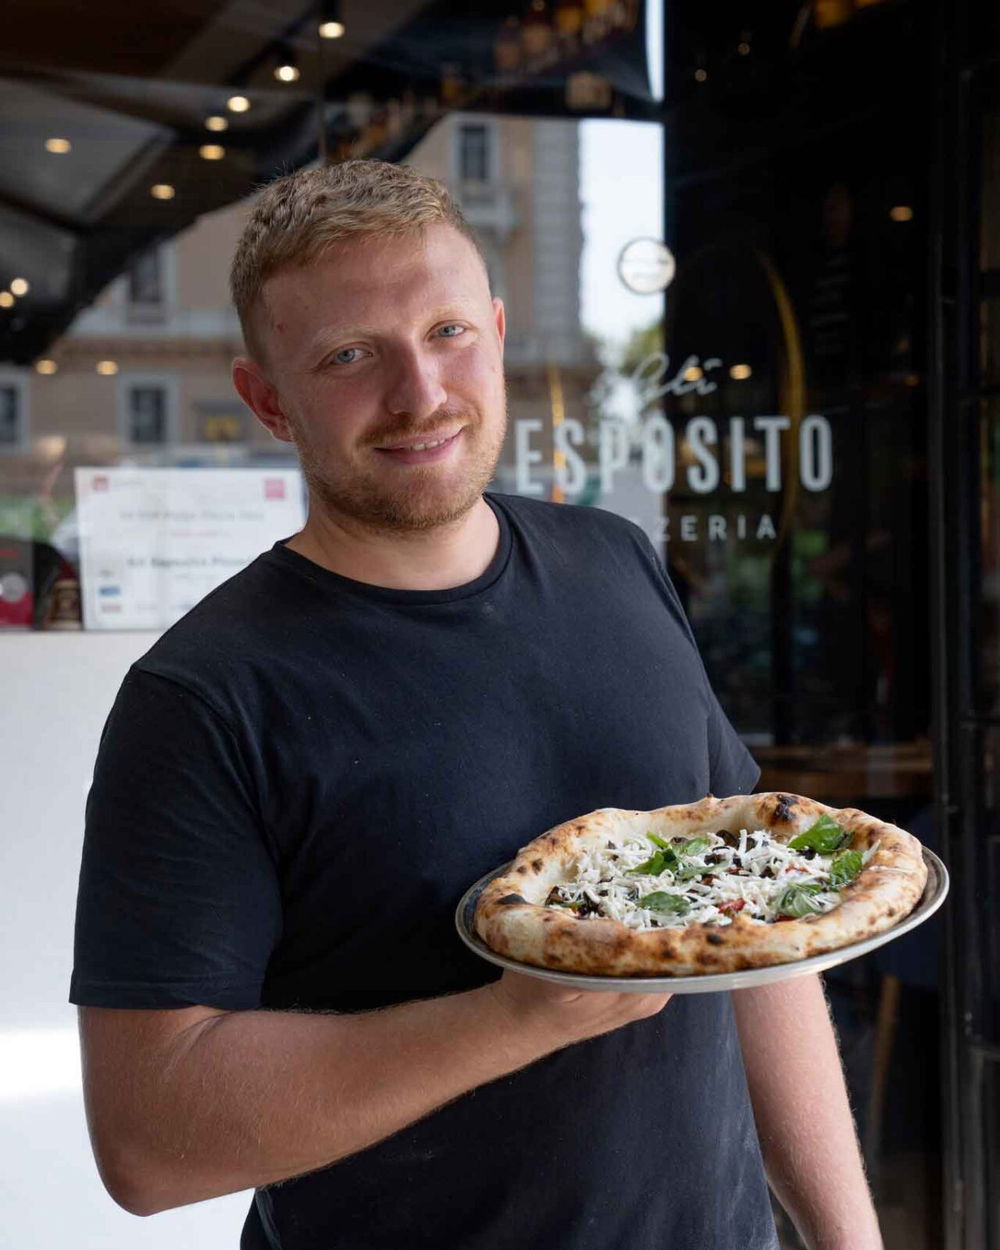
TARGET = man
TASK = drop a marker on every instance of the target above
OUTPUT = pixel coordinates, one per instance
(300, 779)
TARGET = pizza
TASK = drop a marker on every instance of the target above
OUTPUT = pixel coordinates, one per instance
(714, 886)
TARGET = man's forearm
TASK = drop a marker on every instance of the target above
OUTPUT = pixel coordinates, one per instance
(803, 1116)
(245, 1099)
(191, 1105)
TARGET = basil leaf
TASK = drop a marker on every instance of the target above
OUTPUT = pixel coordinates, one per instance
(695, 846)
(797, 901)
(664, 846)
(687, 871)
(666, 904)
(845, 867)
(670, 859)
(657, 863)
(824, 837)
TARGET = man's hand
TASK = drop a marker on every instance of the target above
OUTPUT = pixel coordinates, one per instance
(566, 1015)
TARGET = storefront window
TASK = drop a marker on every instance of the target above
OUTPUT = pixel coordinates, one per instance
(752, 392)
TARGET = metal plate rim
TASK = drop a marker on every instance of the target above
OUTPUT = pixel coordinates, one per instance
(935, 892)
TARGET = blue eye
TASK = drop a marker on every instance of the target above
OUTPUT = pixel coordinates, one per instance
(346, 356)
(455, 331)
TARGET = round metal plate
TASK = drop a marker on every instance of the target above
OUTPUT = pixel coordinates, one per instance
(933, 896)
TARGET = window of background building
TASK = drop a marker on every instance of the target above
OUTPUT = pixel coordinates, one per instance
(11, 415)
(220, 421)
(474, 153)
(145, 279)
(148, 286)
(146, 413)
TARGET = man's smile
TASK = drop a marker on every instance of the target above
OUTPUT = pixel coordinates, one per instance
(422, 451)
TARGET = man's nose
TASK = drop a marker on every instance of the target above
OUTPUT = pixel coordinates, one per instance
(416, 388)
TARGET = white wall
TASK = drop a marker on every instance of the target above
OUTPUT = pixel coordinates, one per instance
(55, 692)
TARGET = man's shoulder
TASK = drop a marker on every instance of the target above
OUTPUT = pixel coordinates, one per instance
(234, 626)
(580, 521)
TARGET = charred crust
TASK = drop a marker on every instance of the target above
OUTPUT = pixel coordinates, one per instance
(603, 947)
(537, 865)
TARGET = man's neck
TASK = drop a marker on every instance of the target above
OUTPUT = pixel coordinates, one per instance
(438, 559)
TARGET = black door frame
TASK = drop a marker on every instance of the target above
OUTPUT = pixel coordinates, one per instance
(971, 1047)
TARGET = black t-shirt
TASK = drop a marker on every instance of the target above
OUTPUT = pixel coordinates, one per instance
(301, 778)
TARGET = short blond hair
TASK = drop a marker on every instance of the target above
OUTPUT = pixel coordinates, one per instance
(296, 218)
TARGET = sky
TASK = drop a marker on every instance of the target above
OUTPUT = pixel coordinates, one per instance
(621, 185)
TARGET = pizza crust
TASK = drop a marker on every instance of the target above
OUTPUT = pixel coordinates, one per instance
(511, 918)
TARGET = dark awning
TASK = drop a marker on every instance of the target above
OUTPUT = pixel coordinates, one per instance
(129, 89)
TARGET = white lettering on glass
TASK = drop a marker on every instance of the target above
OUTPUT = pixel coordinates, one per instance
(649, 373)
(612, 451)
(816, 452)
(772, 427)
(658, 453)
(572, 474)
(737, 454)
(704, 476)
(526, 456)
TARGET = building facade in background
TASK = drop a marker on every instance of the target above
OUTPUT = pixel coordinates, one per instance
(144, 375)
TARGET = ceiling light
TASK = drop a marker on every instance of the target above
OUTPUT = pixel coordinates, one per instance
(237, 104)
(19, 287)
(693, 374)
(108, 368)
(216, 123)
(902, 212)
(211, 152)
(330, 25)
(57, 145)
(740, 372)
(701, 75)
(286, 69)
(6, 299)
(45, 366)
(162, 191)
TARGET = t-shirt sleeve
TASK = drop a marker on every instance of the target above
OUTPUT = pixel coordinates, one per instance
(732, 769)
(178, 900)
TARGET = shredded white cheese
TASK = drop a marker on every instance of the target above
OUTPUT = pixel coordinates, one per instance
(712, 881)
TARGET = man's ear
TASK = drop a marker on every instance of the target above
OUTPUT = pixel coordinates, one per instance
(501, 319)
(260, 397)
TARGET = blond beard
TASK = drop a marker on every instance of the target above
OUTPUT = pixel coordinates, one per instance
(422, 504)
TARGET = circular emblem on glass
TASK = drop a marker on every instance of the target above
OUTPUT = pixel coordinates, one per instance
(646, 266)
